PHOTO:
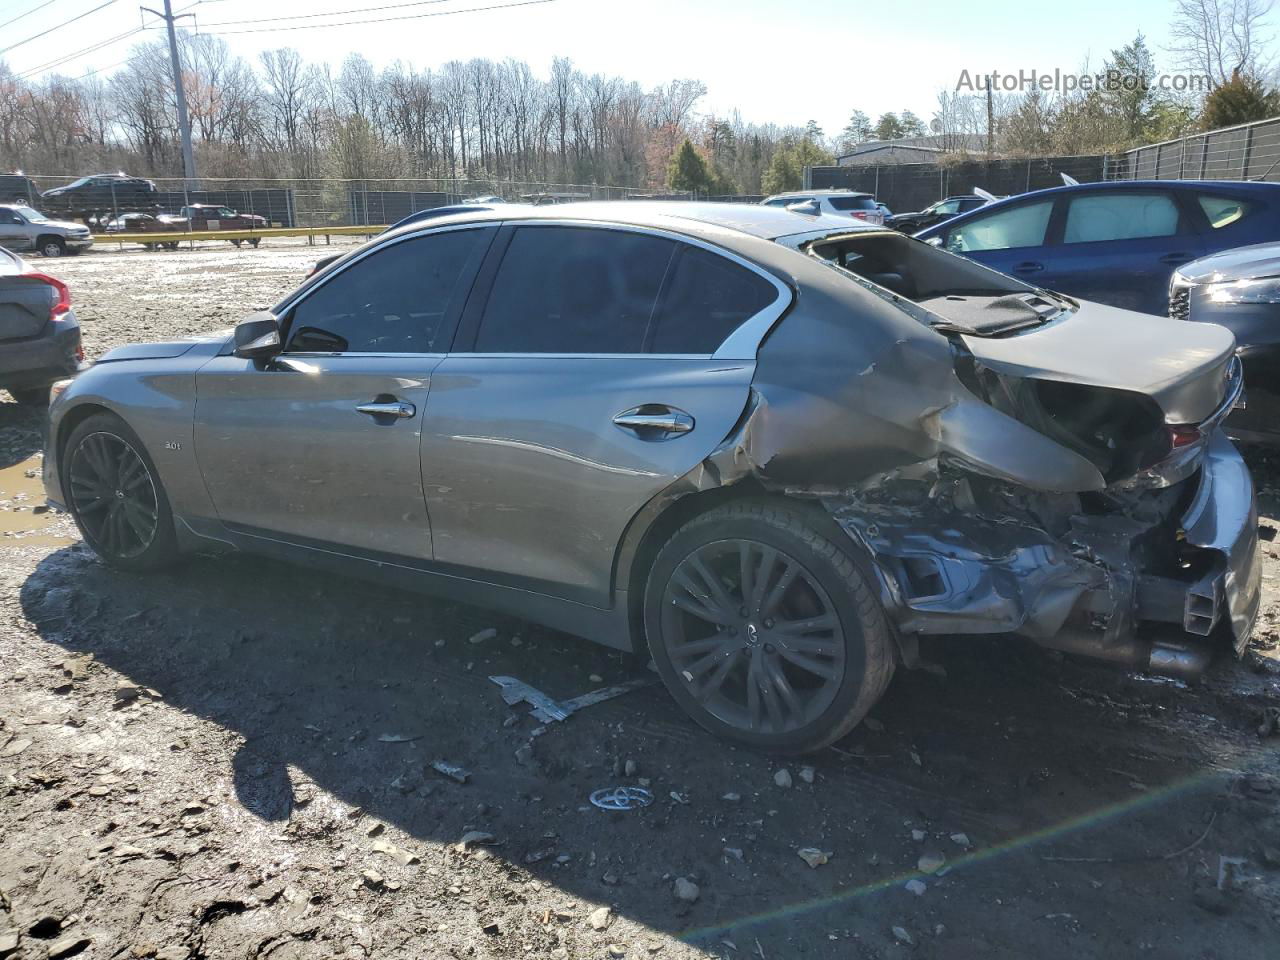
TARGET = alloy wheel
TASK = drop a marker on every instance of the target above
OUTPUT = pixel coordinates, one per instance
(113, 495)
(753, 635)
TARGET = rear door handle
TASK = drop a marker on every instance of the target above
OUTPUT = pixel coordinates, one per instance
(655, 421)
(387, 408)
(1174, 259)
(1028, 266)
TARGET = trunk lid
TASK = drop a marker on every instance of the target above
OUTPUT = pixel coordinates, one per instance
(1183, 367)
(25, 304)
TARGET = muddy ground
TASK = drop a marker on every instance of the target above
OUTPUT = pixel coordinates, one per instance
(234, 759)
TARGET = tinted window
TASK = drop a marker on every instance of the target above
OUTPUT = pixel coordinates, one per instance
(707, 298)
(852, 203)
(574, 290)
(8, 216)
(392, 301)
(1022, 226)
(1120, 216)
(945, 206)
(1223, 211)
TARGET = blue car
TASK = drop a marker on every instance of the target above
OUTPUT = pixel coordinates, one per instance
(1117, 242)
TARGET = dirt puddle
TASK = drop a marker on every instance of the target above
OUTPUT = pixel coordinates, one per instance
(24, 520)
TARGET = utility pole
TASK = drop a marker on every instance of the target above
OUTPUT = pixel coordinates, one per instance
(184, 125)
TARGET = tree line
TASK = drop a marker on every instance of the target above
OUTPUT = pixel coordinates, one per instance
(282, 117)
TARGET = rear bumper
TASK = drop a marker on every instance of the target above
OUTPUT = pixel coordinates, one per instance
(1178, 567)
(41, 360)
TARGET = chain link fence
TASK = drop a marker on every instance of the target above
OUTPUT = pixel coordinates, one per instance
(311, 202)
(1250, 151)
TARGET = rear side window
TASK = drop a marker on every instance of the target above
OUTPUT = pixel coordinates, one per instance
(707, 298)
(852, 203)
(1021, 226)
(1120, 216)
(1223, 211)
(574, 290)
(393, 301)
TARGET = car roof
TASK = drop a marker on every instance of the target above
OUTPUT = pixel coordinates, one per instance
(840, 192)
(701, 219)
(1119, 186)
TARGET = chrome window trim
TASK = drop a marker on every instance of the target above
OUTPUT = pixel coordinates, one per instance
(741, 344)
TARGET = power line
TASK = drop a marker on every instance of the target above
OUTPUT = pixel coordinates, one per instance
(335, 13)
(27, 14)
(352, 23)
(68, 57)
(57, 26)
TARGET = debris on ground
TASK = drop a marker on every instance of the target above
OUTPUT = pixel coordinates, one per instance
(548, 710)
(783, 778)
(451, 770)
(813, 856)
(931, 861)
(600, 918)
(685, 890)
(487, 634)
(621, 798)
(916, 886)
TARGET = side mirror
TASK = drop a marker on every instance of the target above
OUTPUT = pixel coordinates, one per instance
(258, 337)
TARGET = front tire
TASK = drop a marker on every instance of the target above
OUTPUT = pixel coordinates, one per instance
(764, 630)
(52, 247)
(114, 493)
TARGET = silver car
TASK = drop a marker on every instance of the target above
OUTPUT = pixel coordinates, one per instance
(23, 229)
(773, 450)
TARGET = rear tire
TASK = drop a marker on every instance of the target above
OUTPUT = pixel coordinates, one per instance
(111, 486)
(254, 242)
(51, 246)
(786, 611)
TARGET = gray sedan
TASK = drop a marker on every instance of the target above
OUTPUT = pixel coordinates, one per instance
(771, 449)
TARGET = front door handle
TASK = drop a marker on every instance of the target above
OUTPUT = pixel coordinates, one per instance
(654, 421)
(388, 408)
(1175, 259)
(1028, 266)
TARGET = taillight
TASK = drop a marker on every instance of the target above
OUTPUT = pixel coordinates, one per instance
(63, 303)
(859, 214)
(1183, 434)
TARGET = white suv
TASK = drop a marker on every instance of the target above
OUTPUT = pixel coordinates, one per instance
(860, 206)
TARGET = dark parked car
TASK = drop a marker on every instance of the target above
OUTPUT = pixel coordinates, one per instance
(771, 450)
(102, 195)
(39, 335)
(1116, 242)
(15, 188)
(935, 213)
(1240, 289)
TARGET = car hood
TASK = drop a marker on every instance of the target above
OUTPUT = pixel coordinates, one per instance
(1182, 366)
(1242, 263)
(165, 349)
(62, 225)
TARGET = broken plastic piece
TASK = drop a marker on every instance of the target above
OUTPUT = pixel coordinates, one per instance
(622, 798)
(552, 711)
(451, 770)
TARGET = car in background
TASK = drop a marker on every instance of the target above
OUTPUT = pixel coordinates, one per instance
(212, 216)
(23, 229)
(797, 445)
(39, 335)
(1240, 290)
(102, 195)
(484, 201)
(885, 212)
(15, 188)
(840, 203)
(935, 213)
(1116, 242)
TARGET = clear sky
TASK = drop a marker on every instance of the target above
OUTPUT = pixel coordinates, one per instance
(782, 61)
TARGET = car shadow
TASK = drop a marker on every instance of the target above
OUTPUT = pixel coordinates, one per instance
(334, 685)
(21, 431)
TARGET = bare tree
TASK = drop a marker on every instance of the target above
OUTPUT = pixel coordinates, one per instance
(1219, 37)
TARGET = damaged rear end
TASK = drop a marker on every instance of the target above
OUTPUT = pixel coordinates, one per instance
(1018, 462)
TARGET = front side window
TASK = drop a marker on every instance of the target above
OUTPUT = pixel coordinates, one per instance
(1120, 216)
(1021, 226)
(9, 217)
(32, 216)
(574, 290)
(1223, 211)
(945, 206)
(394, 300)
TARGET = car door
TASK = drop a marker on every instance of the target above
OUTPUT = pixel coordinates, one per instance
(600, 365)
(1013, 239)
(320, 446)
(1120, 247)
(14, 232)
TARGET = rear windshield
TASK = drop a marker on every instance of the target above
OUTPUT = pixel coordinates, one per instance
(852, 203)
(962, 294)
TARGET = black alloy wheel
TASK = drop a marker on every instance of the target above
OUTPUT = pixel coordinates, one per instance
(114, 496)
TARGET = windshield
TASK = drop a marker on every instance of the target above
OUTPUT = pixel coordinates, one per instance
(32, 216)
